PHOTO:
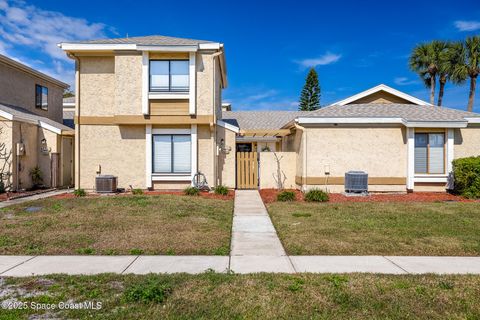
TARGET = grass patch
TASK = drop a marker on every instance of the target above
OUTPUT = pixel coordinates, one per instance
(256, 296)
(118, 225)
(379, 228)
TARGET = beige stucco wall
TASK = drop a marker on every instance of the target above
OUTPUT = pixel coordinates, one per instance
(7, 153)
(226, 159)
(97, 86)
(18, 88)
(270, 167)
(205, 84)
(381, 97)
(205, 149)
(128, 84)
(119, 150)
(467, 142)
(28, 135)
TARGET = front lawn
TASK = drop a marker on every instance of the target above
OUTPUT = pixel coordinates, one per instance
(257, 296)
(378, 228)
(164, 224)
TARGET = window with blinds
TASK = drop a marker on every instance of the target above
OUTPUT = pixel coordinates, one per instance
(171, 153)
(430, 153)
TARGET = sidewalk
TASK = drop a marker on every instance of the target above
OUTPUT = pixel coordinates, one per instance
(7, 203)
(23, 266)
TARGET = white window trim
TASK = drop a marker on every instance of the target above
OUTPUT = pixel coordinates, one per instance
(411, 158)
(171, 131)
(168, 95)
(192, 84)
(194, 151)
(148, 153)
(171, 177)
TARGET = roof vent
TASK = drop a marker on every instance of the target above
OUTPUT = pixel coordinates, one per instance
(356, 181)
(106, 184)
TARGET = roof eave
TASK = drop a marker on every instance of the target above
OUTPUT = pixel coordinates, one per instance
(79, 47)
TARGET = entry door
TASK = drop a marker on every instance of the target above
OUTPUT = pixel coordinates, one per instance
(67, 161)
(247, 170)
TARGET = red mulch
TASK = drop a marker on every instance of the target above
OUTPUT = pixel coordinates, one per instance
(230, 196)
(270, 195)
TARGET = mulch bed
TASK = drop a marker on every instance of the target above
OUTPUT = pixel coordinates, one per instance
(210, 195)
(270, 195)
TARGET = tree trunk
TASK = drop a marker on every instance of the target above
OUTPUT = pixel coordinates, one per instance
(441, 91)
(432, 89)
(471, 95)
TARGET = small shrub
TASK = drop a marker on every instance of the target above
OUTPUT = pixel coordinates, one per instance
(221, 190)
(37, 176)
(79, 193)
(148, 291)
(2, 185)
(466, 173)
(137, 191)
(286, 196)
(191, 191)
(316, 195)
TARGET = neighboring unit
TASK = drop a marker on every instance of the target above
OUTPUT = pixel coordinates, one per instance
(32, 133)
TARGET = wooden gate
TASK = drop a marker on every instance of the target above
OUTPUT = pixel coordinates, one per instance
(247, 170)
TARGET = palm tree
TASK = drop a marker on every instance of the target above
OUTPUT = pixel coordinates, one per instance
(450, 60)
(469, 66)
(425, 60)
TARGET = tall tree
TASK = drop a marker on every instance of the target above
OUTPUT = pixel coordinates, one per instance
(425, 60)
(449, 60)
(469, 67)
(310, 96)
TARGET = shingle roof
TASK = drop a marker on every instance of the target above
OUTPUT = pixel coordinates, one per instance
(28, 115)
(407, 112)
(262, 120)
(154, 40)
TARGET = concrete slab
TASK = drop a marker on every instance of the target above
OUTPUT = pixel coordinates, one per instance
(252, 224)
(71, 265)
(440, 265)
(344, 264)
(256, 244)
(178, 264)
(49, 194)
(8, 262)
(255, 264)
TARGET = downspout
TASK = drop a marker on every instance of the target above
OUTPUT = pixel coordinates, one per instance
(77, 124)
(304, 167)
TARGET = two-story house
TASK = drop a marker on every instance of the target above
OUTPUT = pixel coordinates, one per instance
(147, 110)
(31, 130)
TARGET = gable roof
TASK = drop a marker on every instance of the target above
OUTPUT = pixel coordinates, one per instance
(153, 40)
(23, 67)
(382, 87)
(406, 114)
(261, 120)
(13, 113)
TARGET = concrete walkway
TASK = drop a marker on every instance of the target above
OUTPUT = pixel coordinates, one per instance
(7, 203)
(255, 244)
(24, 266)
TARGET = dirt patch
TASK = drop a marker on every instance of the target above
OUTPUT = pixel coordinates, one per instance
(270, 195)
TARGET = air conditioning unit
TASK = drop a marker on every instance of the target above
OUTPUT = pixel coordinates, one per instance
(356, 181)
(106, 184)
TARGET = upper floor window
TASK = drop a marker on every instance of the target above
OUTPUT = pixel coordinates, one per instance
(41, 97)
(169, 75)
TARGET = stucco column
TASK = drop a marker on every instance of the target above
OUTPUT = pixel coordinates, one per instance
(411, 158)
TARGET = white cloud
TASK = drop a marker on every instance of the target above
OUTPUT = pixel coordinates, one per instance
(26, 28)
(463, 25)
(404, 81)
(327, 58)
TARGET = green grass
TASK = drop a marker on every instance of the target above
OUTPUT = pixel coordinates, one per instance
(117, 225)
(376, 228)
(259, 296)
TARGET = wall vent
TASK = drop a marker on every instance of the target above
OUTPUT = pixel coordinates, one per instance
(356, 181)
(106, 184)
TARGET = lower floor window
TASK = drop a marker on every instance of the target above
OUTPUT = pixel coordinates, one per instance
(430, 153)
(171, 153)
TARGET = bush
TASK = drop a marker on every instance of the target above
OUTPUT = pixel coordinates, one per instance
(148, 291)
(222, 190)
(79, 193)
(466, 173)
(137, 191)
(37, 176)
(2, 186)
(286, 196)
(191, 191)
(316, 195)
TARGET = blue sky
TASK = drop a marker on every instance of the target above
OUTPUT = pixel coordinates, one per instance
(269, 46)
